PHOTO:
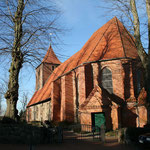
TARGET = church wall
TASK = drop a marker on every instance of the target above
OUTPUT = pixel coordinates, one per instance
(129, 76)
(69, 98)
(63, 100)
(39, 77)
(39, 112)
(74, 88)
(123, 87)
(28, 114)
(81, 84)
(88, 79)
(43, 71)
(56, 100)
(116, 69)
(31, 110)
(44, 111)
(96, 105)
(75, 77)
(142, 113)
(114, 117)
(111, 113)
(129, 115)
(131, 93)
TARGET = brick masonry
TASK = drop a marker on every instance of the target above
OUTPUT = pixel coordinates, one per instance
(104, 77)
(78, 94)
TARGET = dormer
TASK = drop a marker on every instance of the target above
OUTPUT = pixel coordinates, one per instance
(45, 69)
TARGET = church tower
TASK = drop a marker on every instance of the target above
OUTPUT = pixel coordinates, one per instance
(44, 70)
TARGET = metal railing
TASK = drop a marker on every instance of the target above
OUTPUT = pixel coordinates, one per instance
(82, 132)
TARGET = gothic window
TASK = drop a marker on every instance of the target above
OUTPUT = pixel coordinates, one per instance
(138, 77)
(38, 81)
(36, 113)
(49, 111)
(77, 90)
(106, 80)
(88, 79)
(53, 67)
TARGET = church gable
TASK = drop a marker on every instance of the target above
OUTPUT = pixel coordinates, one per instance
(96, 99)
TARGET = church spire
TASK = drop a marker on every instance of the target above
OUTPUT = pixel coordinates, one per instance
(45, 69)
(51, 57)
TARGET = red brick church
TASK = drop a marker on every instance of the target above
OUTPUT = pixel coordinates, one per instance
(100, 84)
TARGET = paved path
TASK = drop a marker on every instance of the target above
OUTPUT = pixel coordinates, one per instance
(70, 145)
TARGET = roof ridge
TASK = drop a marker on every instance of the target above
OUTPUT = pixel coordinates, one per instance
(120, 36)
(132, 38)
(100, 38)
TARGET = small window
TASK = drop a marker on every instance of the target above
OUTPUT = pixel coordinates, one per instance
(106, 80)
(53, 67)
(34, 111)
(138, 77)
(38, 80)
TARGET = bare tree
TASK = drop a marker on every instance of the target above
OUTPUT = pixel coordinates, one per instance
(3, 89)
(24, 100)
(0, 104)
(25, 26)
(139, 25)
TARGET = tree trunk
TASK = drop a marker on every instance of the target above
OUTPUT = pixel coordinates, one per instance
(11, 111)
(147, 81)
(145, 58)
(16, 64)
(148, 60)
(13, 87)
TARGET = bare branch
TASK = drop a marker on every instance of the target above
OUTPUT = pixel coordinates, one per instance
(137, 35)
(9, 11)
(148, 14)
(25, 25)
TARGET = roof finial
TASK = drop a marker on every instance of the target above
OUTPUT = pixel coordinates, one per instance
(50, 38)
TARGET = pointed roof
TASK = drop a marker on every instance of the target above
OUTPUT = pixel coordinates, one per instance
(111, 41)
(51, 57)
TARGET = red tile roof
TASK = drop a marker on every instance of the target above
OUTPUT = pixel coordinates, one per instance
(111, 41)
(50, 57)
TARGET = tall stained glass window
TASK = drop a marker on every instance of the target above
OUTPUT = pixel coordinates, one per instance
(106, 80)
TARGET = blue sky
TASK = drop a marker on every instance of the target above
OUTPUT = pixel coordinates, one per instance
(82, 18)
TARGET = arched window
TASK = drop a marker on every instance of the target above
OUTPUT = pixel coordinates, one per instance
(106, 80)
(138, 78)
(53, 67)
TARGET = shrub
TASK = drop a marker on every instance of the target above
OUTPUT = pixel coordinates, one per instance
(133, 133)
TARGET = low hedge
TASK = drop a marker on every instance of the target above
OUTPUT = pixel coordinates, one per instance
(21, 133)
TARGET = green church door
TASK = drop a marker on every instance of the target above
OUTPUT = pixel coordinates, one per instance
(98, 119)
